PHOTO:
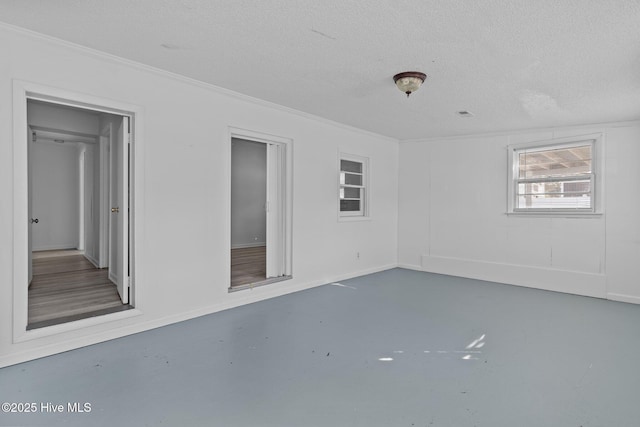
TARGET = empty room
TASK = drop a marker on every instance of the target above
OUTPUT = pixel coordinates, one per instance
(320, 213)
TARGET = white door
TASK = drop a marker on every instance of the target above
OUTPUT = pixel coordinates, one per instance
(275, 211)
(119, 212)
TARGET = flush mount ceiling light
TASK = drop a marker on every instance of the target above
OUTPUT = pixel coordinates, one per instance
(409, 81)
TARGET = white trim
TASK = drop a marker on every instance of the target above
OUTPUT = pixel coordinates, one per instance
(267, 281)
(248, 245)
(178, 77)
(62, 328)
(55, 247)
(105, 146)
(510, 133)
(354, 218)
(92, 260)
(287, 144)
(112, 277)
(565, 142)
(20, 212)
(364, 214)
(552, 213)
(251, 135)
(545, 278)
(596, 176)
(81, 202)
(410, 267)
(236, 299)
(609, 295)
(23, 90)
(236, 95)
(623, 298)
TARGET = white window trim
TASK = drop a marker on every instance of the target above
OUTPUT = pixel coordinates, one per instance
(364, 213)
(597, 162)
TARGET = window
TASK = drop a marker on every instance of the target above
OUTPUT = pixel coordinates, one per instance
(557, 176)
(353, 186)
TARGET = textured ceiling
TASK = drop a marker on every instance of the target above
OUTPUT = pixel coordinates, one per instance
(514, 64)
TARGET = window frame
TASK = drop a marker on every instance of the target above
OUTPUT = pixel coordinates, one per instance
(363, 212)
(595, 177)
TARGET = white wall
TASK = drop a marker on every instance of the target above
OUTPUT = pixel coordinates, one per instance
(55, 117)
(57, 179)
(248, 193)
(91, 208)
(182, 191)
(55, 196)
(452, 217)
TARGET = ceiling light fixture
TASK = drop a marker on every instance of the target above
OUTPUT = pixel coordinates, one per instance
(409, 81)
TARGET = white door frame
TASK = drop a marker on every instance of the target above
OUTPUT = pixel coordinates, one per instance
(22, 91)
(82, 151)
(284, 188)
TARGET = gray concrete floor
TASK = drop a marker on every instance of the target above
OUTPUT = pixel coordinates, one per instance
(397, 348)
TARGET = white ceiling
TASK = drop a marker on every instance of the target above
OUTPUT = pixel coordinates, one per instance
(515, 64)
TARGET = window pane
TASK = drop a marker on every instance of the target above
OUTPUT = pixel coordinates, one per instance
(349, 193)
(349, 205)
(350, 166)
(558, 195)
(350, 179)
(352, 191)
(577, 187)
(557, 162)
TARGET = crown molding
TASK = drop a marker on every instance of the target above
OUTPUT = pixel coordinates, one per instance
(94, 53)
(625, 123)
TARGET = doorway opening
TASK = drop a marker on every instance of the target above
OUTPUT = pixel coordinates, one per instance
(248, 212)
(78, 207)
(260, 223)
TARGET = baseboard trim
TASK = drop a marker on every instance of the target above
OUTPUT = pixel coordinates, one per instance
(236, 299)
(360, 273)
(66, 246)
(623, 298)
(248, 245)
(411, 267)
(548, 279)
(92, 260)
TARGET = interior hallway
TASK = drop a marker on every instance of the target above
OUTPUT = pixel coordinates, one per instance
(67, 287)
(396, 348)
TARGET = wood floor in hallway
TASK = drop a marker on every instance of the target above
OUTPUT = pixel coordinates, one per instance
(248, 265)
(67, 288)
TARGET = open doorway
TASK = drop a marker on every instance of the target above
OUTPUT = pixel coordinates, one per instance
(260, 210)
(248, 212)
(78, 196)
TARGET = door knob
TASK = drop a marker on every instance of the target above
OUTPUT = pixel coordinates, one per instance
(36, 220)
(115, 210)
